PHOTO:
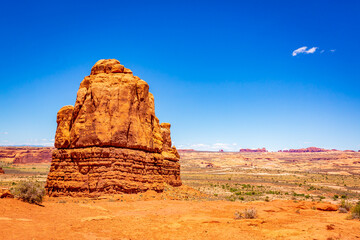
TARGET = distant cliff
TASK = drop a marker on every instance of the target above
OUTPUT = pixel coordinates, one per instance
(309, 149)
(26, 155)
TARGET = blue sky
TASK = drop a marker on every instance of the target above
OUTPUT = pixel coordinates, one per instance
(223, 73)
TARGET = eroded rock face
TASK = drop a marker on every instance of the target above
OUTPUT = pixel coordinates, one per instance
(1, 171)
(111, 140)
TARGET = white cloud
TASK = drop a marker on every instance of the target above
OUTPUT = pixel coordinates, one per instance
(332, 50)
(5, 133)
(304, 51)
(311, 50)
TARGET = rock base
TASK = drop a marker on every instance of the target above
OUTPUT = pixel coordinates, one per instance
(86, 172)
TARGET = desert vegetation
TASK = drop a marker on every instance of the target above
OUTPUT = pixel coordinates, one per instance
(271, 176)
(29, 191)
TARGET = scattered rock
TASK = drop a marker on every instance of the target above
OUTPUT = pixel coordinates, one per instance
(326, 207)
(96, 218)
(111, 141)
(330, 227)
(5, 193)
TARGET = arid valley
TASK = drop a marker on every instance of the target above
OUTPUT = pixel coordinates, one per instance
(296, 196)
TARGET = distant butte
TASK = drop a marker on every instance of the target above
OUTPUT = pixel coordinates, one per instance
(111, 141)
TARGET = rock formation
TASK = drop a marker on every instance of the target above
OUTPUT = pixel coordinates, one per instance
(111, 141)
(309, 149)
(253, 150)
(1, 171)
(5, 193)
(26, 155)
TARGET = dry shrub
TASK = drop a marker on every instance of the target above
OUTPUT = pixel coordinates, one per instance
(342, 210)
(250, 213)
(29, 191)
(355, 211)
(346, 205)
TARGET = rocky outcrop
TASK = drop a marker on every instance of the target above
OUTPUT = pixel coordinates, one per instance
(246, 150)
(1, 171)
(111, 141)
(26, 155)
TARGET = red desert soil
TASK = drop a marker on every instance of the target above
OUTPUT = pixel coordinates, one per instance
(145, 216)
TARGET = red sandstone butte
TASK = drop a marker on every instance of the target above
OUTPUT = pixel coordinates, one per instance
(111, 141)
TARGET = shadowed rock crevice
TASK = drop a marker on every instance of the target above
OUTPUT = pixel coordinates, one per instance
(113, 132)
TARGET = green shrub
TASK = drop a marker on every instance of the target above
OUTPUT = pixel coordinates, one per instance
(29, 191)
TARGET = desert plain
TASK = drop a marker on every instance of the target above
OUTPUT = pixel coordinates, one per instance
(295, 196)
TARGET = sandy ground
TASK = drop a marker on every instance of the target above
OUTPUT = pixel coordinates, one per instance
(170, 219)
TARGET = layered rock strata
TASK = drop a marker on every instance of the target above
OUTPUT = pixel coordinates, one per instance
(111, 141)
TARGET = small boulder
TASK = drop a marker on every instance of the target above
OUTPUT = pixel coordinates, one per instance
(5, 193)
(326, 207)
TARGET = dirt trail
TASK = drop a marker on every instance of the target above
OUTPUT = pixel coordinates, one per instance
(169, 219)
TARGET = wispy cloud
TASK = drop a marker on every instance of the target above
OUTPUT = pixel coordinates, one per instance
(211, 147)
(332, 50)
(304, 50)
(5, 133)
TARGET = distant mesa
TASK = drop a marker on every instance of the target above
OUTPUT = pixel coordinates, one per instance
(309, 149)
(111, 141)
(26, 155)
(247, 150)
(349, 151)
